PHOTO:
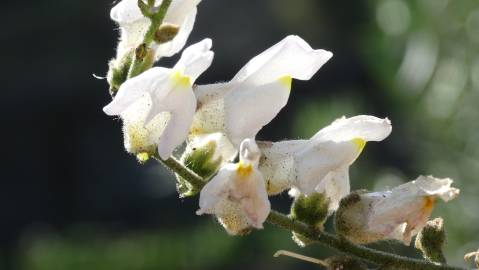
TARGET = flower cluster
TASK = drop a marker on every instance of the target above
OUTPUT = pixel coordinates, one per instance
(161, 108)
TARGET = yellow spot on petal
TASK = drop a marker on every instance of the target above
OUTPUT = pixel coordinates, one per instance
(429, 202)
(286, 81)
(360, 143)
(244, 170)
(180, 80)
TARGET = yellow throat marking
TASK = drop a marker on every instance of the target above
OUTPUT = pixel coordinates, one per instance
(243, 170)
(429, 202)
(180, 80)
(360, 143)
(286, 81)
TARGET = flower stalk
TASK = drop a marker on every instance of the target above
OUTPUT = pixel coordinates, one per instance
(141, 59)
(278, 219)
(139, 65)
(176, 167)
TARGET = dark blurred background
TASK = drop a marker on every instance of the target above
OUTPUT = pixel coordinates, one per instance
(71, 198)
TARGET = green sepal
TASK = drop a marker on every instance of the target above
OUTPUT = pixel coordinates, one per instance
(201, 161)
(431, 240)
(118, 71)
(312, 209)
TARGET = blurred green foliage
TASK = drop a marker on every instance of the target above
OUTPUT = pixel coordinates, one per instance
(203, 247)
(82, 249)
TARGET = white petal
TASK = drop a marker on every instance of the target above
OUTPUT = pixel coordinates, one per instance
(415, 190)
(248, 109)
(179, 10)
(181, 103)
(216, 190)
(432, 186)
(209, 92)
(255, 202)
(232, 218)
(409, 203)
(173, 47)
(365, 127)
(139, 137)
(292, 56)
(196, 59)
(318, 160)
(278, 165)
(126, 11)
(210, 115)
(131, 36)
(249, 152)
(335, 186)
(134, 88)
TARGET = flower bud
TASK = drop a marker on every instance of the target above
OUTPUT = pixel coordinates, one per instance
(311, 209)
(201, 159)
(345, 263)
(118, 71)
(431, 240)
(166, 32)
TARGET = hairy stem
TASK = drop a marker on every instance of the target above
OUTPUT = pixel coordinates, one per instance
(176, 167)
(382, 258)
(138, 64)
(375, 256)
(143, 57)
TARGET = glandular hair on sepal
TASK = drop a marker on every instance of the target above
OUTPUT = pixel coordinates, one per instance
(118, 71)
(311, 209)
(200, 159)
(431, 240)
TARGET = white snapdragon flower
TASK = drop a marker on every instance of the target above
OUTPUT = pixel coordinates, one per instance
(133, 25)
(321, 164)
(397, 214)
(237, 194)
(242, 106)
(157, 106)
